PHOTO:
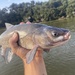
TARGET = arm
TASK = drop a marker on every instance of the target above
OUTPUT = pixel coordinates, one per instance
(37, 66)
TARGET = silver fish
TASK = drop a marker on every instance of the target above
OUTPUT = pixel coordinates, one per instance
(33, 36)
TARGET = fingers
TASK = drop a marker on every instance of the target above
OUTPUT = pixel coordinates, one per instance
(18, 50)
(39, 53)
(13, 41)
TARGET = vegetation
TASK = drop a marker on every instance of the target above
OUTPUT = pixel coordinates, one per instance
(38, 11)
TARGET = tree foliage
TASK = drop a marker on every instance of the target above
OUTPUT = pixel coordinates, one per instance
(38, 11)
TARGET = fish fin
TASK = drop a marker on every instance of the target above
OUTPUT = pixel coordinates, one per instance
(3, 51)
(10, 56)
(30, 55)
(3, 54)
(46, 50)
(8, 25)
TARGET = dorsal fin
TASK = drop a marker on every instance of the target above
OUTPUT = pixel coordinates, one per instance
(8, 25)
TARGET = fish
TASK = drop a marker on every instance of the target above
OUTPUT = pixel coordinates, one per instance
(33, 36)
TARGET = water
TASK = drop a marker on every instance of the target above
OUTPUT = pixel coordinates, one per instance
(59, 61)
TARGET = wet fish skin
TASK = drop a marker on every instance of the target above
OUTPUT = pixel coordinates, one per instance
(34, 36)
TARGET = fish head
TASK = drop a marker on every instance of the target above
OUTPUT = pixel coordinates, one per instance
(57, 36)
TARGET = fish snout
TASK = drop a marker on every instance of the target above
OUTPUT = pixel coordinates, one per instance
(67, 35)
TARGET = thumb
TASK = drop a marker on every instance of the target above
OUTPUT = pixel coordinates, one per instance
(13, 41)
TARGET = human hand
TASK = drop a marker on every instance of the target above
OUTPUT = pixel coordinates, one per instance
(37, 66)
(19, 50)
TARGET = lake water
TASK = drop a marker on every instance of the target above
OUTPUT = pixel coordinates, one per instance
(59, 61)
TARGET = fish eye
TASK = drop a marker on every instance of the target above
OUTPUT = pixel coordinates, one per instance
(55, 34)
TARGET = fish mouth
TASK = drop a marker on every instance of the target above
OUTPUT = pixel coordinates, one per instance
(66, 37)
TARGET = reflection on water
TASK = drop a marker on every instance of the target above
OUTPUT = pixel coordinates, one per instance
(59, 61)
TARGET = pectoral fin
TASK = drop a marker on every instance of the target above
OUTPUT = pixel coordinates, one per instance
(30, 55)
